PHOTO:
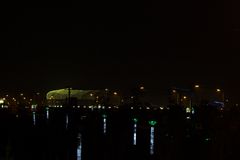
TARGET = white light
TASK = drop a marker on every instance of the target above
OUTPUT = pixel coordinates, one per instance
(131, 107)
(135, 134)
(104, 125)
(152, 141)
(47, 114)
(193, 111)
(34, 118)
(188, 110)
(99, 106)
(79, 148)
(1, 101)
(188, 117)
(161, 108)
(147, 108)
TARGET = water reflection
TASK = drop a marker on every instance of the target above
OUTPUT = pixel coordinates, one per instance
(66, 121)
(152, 140)
(79, 147)
(104, 124)
(152, 130)
(34, 117)
(135, 131)
(47, 113)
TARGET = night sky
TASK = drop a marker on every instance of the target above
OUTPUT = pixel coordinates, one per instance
(119, 44)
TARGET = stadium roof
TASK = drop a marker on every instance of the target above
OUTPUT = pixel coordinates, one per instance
(79, 94)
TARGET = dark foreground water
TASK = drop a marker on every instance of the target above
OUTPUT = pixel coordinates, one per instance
(85, 135)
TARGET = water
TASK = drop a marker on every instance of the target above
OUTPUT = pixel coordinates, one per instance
(135, 134)
(152, 140)
(34, 118)
(113, 135)
(79, 147)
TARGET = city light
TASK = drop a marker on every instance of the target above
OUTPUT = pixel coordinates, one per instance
(141, 88)
(196, 86)
(115, 93)
(1, 101)
(152, 123)
(188, 110)
(218, 90)
(135, 120)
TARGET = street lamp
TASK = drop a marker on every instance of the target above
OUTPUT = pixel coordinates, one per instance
(141, 88)
(196, 86)
(222, 96)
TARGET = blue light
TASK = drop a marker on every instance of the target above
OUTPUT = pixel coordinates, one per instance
(79, 148)
(152, 141)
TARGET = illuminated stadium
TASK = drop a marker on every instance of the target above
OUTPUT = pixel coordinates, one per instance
(60, 97)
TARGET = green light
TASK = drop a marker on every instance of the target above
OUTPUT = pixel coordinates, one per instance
(152, 123)
(135, 120)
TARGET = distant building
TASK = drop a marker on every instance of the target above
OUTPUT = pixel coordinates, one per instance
(61, 97)
(197, 97)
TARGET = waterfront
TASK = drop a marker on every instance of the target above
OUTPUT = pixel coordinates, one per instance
(84, 136)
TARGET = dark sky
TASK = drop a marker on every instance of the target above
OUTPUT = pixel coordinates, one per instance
(120, 43)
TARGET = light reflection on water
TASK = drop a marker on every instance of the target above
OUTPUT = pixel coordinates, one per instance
(79, 147)
(67, 121)
(34, 117)
(152, 140)
(135, 134)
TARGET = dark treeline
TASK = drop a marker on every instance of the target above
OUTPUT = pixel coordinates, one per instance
(209, 134)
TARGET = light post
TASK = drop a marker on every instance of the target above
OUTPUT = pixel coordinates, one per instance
(221, 92)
